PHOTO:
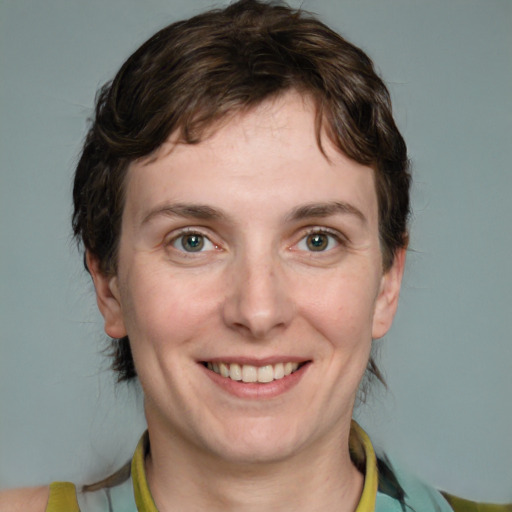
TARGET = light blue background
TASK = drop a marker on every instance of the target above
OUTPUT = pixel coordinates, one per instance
(448, 414)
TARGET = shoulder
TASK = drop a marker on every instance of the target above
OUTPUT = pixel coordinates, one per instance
(57, 497)
(461, 505)
(403, 490)
(27, 499)
(400, 490)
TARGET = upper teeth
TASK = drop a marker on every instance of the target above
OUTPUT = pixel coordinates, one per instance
(250, 373)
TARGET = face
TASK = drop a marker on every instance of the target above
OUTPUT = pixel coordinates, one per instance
(250, 284)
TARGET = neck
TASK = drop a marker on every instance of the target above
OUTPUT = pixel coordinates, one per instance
(316, 479)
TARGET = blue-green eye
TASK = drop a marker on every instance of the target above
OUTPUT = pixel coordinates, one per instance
(192, 242)
(318, 242)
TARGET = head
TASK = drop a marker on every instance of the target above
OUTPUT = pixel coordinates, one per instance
(195, 76)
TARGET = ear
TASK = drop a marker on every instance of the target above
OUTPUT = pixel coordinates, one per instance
(107, 298)
(389, 292)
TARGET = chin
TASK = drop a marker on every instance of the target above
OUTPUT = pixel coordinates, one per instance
(257, 441)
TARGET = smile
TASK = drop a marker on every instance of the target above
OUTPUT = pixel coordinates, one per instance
(250, 373)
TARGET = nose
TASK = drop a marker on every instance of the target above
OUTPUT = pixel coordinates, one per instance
(258, 302)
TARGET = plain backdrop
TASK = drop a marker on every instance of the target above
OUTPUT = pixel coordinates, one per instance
(447, 415)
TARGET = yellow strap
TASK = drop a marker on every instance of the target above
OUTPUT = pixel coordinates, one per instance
(143, 497)
(371, 479)
(62, 498)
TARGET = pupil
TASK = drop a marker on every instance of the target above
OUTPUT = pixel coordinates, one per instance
(317, 242)
(192, 243)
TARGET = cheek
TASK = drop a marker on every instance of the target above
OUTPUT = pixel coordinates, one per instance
(164, 309)
(341, 310)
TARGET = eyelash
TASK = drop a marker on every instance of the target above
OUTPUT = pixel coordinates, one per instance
(332, 235)
(190, 232)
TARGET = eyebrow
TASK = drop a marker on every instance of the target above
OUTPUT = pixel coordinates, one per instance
(205, 212)
(325, 210)
(185, 210)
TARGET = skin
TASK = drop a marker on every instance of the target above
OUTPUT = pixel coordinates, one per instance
(256, 291)
(257, 192)
(24, 499)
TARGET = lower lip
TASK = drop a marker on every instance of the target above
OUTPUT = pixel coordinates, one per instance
(257, 390)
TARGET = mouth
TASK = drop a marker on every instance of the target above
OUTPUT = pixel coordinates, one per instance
(250, 373)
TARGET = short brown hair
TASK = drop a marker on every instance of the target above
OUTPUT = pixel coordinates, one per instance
(196, 72)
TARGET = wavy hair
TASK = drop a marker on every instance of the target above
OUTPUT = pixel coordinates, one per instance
(195, 73)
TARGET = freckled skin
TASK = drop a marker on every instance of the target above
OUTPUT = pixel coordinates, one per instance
(257, 288)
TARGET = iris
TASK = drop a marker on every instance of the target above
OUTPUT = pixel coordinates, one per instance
(192, 242)
(317, 242)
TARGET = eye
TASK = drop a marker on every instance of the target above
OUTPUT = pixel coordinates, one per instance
(318, 242)
(192, 242)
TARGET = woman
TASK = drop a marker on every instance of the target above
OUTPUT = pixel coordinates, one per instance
(242, 199)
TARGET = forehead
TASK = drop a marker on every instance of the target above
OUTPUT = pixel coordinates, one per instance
(267, 157)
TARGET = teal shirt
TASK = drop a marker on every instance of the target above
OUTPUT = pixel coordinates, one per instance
(387, 488)
(420, 498)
